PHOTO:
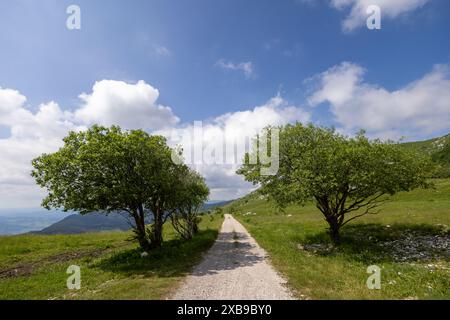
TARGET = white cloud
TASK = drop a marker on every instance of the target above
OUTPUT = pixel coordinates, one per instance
(245, 67)
(34, 133)
(128, 105)
(389, 9)
(419, 108)
(31, 135)
(162, 51)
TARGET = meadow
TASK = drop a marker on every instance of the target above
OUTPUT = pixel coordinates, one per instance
(34, 266)
(409, 240)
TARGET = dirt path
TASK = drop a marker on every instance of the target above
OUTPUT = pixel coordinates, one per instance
(235, 268)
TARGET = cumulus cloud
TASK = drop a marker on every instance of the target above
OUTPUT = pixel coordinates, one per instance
(418, 108)
(31, 134)
(245, 67)
(223, 140)
(131, 106)
(128, 105)
(389, 9)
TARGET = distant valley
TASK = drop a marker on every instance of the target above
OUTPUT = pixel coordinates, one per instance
(17, 221)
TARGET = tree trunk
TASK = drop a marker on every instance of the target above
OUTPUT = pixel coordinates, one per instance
(332, 217)
(195, 227)
(140, 232)
(334, 232)
(156, 235)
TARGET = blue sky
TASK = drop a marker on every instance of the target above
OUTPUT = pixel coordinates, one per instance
(210, 58)
(286, 41)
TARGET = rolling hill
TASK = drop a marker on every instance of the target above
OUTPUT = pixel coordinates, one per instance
(93, 222)
(431, 146)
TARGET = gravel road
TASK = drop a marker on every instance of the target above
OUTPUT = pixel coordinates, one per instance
(235, 268)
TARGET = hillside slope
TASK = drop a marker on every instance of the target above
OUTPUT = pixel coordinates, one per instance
(430, 146)
(439, 151)
(92, 222)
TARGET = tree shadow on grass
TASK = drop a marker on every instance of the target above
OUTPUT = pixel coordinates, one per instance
(380, 243)
(175, 258)
(231, 250)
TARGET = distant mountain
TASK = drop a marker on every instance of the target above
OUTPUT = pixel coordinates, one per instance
(41, 221)
(17, 221)
(95, 222)
(215, 204)
(92, 222)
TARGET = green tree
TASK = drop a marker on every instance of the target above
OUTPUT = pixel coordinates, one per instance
(109, 170)
(346, 177)
(190, 194)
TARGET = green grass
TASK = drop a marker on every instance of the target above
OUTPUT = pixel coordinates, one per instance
(111, 266)
(405, 223)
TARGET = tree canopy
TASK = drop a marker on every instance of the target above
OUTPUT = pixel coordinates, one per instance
(346, 177)
(107, 170)
(190, 194)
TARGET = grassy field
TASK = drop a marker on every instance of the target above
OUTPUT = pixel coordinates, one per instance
(34, 266)
(409, 240)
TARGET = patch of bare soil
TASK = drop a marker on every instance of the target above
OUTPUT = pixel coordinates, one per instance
(27, 268)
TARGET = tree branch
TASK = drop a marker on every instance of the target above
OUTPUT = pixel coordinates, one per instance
(367, 211)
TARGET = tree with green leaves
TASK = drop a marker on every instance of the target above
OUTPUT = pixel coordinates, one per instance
(110, 170)
(346, 177)
(190, 194)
